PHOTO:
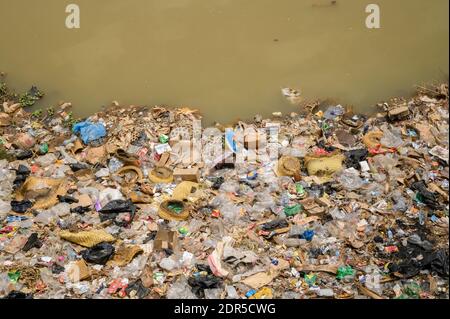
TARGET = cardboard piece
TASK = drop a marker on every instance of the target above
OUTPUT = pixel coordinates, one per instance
(399, 113)
(164, 160)
(187, 174)
(166, 239)
(78, 271)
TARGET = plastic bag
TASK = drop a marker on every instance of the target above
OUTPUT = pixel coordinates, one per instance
(118, 206)
(18, 295)
(354, 157)
(275, 224)
(180, 290)
(201, 282)
(22, 174)
(32, 242)
(334, 111)
(391, 138)
(99, 254)
(425, 196)
(350, 179)
(90, 131)
(20, 206)
(67, 199)
(138, 288)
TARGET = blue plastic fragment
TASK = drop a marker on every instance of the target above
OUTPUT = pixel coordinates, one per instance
(308, 235)
(89, 131)
(250, 293)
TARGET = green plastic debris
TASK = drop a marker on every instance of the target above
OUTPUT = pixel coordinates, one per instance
(419, 198)
(14, 276)
(163, 139)
(175, 207)
(299, 189)
(159, 277)
(345, 271)
(183, 231)
(292, 210)
(43, 149)
(412, 290)
(310, 279)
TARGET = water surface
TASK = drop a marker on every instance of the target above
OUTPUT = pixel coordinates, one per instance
(228, 58)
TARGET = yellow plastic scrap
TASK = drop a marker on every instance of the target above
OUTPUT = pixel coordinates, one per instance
(137, 171)
(44, 190)
(87, 238)
(124, 255)
(264, 293)
(373, 139)
(324, 166)
(184, 189)
(288, 166)
(161, 175)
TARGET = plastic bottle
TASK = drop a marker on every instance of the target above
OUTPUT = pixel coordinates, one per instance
(168, 264)
(180, 290)
(350, 180)
(392, 137)
(231, 292)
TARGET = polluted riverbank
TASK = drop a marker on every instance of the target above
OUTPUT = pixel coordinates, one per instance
(142, 202)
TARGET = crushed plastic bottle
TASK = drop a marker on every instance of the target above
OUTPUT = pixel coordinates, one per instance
(350, 179)
(391, 137)
(180, 290)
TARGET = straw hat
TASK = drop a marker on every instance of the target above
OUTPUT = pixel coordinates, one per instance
(165, 212)
(161, 175)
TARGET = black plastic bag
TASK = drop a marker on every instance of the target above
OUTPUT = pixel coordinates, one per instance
(57, 269)
(438, 262)
(32, 242)
(77, 166)
(22, 174)
(353, 157)
(138, 287)
(20, 206)
(23, 170)
(427, 197)
(275, 224)
(67, 199)
(118, 206)
(218, 181)
(410, 266)
(114, 208)
(80, 209)
(199, 283)
(23, 155)
(18, 295)
(99, 254)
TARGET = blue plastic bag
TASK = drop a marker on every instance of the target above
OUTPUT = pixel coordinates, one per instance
(90, 131)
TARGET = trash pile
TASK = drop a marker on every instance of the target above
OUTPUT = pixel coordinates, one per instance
(108, 207)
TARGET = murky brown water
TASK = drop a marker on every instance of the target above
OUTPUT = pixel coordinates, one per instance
(228, 58)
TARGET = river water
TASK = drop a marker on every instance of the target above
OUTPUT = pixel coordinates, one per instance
(227, 58)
